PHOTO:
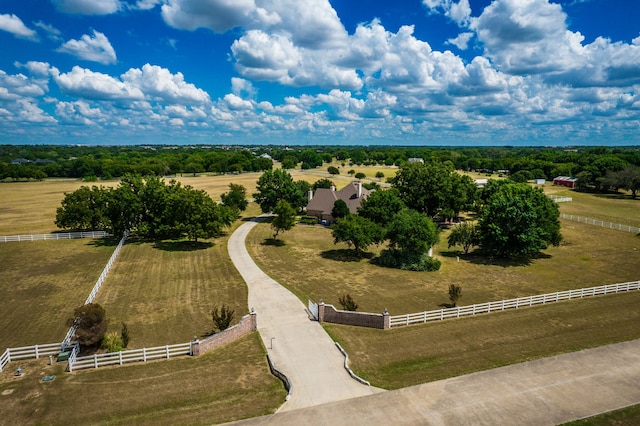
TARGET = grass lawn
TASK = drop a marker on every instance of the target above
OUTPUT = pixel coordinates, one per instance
(226, 384)
(165, 292)
(42, 283)
(590, 256)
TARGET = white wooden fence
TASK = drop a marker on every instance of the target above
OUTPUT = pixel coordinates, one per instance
(601, 223)
(559, 199)
(521, 302)
(60, 236)
(26, 352)
(124, 357)
(98, 284)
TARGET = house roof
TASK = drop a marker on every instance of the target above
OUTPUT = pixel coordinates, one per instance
(324, 198)
(565, 179)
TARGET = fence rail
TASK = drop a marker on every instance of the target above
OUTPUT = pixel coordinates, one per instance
(482, 308)
(27, 352)
(98, 284)
(60, 236)
(601, 223)
(124, 357)
(560, 199)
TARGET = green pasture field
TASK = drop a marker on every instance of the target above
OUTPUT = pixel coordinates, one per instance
(226, 384)
(41, 284)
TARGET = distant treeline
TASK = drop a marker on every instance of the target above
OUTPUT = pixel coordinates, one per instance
(589, 164)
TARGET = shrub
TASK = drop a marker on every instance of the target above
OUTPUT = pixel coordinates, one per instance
(222, 317)
(124, 335)
(408, 261)
(360, 175)
(455, 292)
(347, 302)
(111, 342)
(308, 220)
(92, 324)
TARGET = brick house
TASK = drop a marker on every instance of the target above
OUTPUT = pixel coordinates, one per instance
(321, 202)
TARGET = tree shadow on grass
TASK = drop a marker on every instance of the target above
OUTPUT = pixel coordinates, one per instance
(104, 242)
(273, 242)
(477, 257)
(345, 255)
(182, 245)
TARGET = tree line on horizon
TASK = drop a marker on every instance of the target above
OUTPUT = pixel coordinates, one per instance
(590, 165)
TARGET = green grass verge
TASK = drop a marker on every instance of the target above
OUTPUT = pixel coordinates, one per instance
(629, 416)
(226, 384)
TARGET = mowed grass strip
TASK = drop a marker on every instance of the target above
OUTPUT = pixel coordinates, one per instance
(41, 283)
(226, 384)
(412, 355)
(590, 256)
(165, 291)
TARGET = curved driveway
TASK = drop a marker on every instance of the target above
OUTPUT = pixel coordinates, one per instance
(297, 346)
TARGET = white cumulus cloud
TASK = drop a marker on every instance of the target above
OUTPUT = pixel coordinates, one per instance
(14, 25)
(96, 48)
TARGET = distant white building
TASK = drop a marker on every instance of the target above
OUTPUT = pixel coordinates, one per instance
(480, 183)
(539, 182)
(416, 160)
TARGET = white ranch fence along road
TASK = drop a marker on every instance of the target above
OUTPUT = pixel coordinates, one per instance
(60, 236)
(124, 357)
(98, 284)
(521, 302)
(26, 352)
(601, 223)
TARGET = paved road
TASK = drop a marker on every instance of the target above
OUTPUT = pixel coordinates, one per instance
(548, 391)
(298, 347)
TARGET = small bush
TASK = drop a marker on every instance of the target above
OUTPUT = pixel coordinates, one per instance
(222, 317)
(347, 302)
(111, 342)
(455, 292)
(408, 261)
(124, 335)
(308, 220)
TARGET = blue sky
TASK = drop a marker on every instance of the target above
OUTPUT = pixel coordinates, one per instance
(405, 72)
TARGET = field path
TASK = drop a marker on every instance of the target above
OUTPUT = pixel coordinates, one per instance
(297, 346)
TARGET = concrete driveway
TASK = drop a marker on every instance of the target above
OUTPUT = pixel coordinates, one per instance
(548, 391)
(297, 346)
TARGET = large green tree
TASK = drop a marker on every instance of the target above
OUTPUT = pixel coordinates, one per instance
(464, 234)
(83, 209)
(236, 197)
(411, 234)
(518, 220)
(381, 206)
(432, 187)
(284, 219)
(358, 232)
(275, 185)
(627, 179)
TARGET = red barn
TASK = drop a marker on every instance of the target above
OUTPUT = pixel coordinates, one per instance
(569, 182)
